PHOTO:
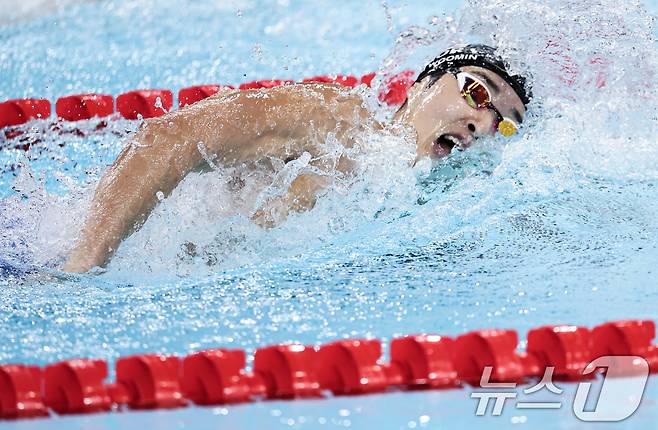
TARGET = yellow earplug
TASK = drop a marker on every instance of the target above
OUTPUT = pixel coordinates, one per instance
(507, 128)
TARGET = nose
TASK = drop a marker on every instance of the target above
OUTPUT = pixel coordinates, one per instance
(481, 122)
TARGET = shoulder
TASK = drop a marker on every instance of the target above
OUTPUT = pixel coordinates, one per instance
(340, 102)
(305, 93)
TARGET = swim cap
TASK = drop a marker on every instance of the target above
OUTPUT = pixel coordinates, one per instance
(476, 55)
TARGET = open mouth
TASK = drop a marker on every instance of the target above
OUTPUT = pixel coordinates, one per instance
(446, 142)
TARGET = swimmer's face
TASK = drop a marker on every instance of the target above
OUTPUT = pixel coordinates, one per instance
(444, 121)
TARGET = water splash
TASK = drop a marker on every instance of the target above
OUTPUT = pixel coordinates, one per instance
(506, 234)
(592, 119)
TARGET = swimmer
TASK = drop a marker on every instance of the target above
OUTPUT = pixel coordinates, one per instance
(464, 94)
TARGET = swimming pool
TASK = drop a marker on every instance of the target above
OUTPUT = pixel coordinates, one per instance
(558, 226)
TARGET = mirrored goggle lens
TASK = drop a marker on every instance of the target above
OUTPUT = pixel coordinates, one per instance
(475, 92)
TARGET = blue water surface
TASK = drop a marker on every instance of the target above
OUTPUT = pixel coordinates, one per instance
(557, 226)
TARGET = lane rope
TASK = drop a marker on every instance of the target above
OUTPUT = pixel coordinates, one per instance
(342, 367)
(150, 103)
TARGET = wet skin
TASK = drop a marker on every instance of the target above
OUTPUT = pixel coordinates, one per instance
(441, 110)
(237, 127)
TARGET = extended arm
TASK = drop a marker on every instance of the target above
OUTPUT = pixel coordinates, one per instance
(155, 160)
(233, 127)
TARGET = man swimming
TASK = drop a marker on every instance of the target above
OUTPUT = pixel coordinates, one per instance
(463, 94)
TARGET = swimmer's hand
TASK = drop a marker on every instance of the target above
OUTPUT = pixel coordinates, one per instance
(300, 197)
(80, 261)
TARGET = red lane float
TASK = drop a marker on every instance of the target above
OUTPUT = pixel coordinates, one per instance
(144, 103)
(632, 337)
(84, 106)
(490, 348)
(254, 85)
(20, 392)
(215, 377)
(77, 386)
(288, 371)
(566, 348)
(20, 111)
(318, 80)
(151, 381)
(346, 80)
(367, 79)
(351, 367)
(425, 361)
(191, 95)
(396, 87)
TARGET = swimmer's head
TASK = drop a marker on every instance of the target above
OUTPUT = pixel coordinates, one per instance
(463, 94)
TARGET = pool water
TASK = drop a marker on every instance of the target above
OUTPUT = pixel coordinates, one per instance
(557, 225)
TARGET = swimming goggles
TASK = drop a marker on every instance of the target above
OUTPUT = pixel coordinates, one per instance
(478, 96)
